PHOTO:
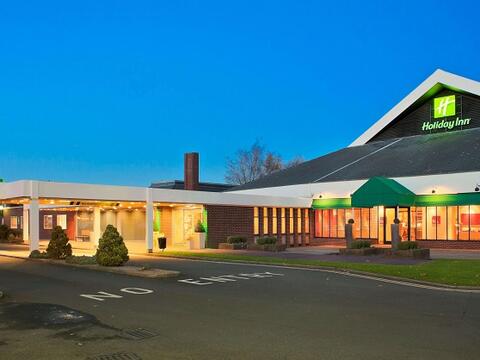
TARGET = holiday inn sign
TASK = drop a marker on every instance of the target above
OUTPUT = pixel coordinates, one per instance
(444, 107)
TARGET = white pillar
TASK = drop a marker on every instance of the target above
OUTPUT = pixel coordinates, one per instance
(26, 235)
(97, 231)
(34, 224)
(149, 222)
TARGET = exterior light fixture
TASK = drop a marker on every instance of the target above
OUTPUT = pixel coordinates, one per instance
(477, 188)
(433, 191)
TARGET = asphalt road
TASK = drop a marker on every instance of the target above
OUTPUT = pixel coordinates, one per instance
(254, 312)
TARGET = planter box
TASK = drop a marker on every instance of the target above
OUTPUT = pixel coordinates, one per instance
(227, 246)
(411, 253)
(267, 247)
(358, 252)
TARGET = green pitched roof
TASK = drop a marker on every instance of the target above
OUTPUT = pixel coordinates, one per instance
(382, 191)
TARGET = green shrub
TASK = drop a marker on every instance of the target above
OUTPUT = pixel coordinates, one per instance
(15, 236)
(267, 240)
(58, 247)
(360, 244)
(199, 228)
(236, 239)
(407, 245)
(36, 254)
(81, 260)
(4, 231)
(111, 248)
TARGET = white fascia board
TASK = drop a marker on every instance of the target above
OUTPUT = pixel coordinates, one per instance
(444, 78)
(227, 198)
(77, 191)
(422, 185)
(15, 189)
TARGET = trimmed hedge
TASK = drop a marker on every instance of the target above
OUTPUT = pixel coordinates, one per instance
(407, 245)
(36, 254)
(81, 260)
(360, 244)
(236, 239)
(266, 240)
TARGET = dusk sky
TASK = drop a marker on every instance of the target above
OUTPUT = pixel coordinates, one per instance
(116, 91)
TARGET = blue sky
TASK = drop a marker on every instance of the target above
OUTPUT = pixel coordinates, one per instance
(116, 91)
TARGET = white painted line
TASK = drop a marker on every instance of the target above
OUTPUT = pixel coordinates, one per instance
(229, 278)
(101, 296)
(344, 273)
(136, 291)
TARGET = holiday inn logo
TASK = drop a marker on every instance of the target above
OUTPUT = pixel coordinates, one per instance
(444, 106)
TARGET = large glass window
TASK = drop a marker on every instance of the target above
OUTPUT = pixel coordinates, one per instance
(474, 222)
(255, 221)
(290, 215)
(365, 223)
(307, 222)
(374, 223)
(274, 221)
(452, 223)
(62, 221)
(265, 221)
(299, 221)
(341, 223)
(333, 222)
(441, 220)
(318, 223)
(431, 222)
(357, 226)
(282, 212)
(420, 223)
(464, 226)
(326, 223)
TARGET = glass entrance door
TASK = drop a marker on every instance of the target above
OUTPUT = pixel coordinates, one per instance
(403, 216)
(389, 218)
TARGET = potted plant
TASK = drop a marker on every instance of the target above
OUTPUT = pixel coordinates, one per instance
(359, 247)
(410, 249)
(202, 234)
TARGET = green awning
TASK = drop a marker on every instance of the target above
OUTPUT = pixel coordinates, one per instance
(382, 191)
(448, 199)
(336, 203)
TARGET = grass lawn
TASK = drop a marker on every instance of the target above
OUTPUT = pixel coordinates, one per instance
(444, 271)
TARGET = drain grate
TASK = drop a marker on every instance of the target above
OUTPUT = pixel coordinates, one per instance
(140, 334)
(116, 356)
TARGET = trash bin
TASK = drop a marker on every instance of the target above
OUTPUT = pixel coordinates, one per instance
(162, 243)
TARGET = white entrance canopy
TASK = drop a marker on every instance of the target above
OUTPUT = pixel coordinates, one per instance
(34, 190)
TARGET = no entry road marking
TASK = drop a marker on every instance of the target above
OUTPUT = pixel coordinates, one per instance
(228, 278)
(102, 295)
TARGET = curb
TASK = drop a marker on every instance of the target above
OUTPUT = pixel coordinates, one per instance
(153, 273)
(359, 273)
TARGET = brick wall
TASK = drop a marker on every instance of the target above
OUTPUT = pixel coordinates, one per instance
(223, 221)
(449, 244)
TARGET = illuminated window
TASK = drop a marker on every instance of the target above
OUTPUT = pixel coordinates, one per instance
(265, 221)
(374, 223)
(307, 222)
(290, 215)
(14, 222)
(452, 226)
(318, 223)
(299, 221)
(283, 220)
(341, 223)
(47, 222)
(474, 222)
(255, 221)
(274, 221)
(62, 221)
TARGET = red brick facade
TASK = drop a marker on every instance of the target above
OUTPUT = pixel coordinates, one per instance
(223, 221)
(449, 244)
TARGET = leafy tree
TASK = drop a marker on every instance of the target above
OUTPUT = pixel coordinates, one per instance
(254, 163)
(111, 248)
(58, 247)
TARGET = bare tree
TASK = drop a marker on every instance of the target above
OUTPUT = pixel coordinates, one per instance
(251, 164)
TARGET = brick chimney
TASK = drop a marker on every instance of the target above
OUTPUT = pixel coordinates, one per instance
(191, 171)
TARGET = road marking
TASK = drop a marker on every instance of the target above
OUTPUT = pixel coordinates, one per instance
(343, 273)
(102, 295)
(136, 291)
(229, 278)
